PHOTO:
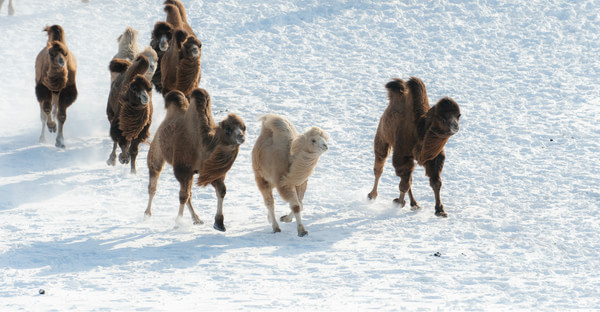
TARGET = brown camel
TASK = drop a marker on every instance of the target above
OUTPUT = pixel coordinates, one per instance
(414, 132)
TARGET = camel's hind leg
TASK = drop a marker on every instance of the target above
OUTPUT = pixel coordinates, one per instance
(290, 195)
(404, 166)
(155, 166)
(433, 169)
(382, 150)
(185, 176)
(134, 149)
(266, 189)
(221, 190)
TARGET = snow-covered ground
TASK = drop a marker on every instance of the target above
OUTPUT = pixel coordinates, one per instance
(520, 181)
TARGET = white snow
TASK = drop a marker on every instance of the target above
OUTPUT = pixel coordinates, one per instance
(520, 180)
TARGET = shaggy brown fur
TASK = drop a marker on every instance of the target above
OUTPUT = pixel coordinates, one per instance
(177, 16)
(192, 142)
(161, 35)
(56, 90)
(129, 109)
(415, 132)
(284, 159)
(180, 66)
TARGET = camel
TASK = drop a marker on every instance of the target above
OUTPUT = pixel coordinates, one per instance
(176, 16)
(180, 65)
(190, 141)
(128, 48)
(415, 132)
(161, 35)
(55, 89)
(284, 159)
(129, 109)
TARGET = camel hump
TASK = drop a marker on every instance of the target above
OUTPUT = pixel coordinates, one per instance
(279, 125)
(395, 86)
(419, 96)
(162, 28)
(55, 33)
(118, 65)
(173, 15)
(176, 99)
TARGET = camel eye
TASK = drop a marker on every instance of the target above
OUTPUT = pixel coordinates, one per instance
(458, 117)
(314, 141)
(227, 130)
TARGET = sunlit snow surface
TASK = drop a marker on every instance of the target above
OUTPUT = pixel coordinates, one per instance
(521, 179)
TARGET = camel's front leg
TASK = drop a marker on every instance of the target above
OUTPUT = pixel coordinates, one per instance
(433, 169)
(44, 118)
(124, 155)
(290, 195)
(221, 190)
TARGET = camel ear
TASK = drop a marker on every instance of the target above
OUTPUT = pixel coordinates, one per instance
(298, 144)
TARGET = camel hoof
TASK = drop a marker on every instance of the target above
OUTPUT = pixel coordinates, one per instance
(441, 214)
(59, 144)
(219, 227)
(399, 202)
(277, 230)
(372, 196)
(286, 219)
(198, 222)
(111, 161)
(302, 233)
(123, 158)
(415, 207)
(147, 215)
(133, 171)
(52, 127)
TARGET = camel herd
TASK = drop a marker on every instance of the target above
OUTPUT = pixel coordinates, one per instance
(192, 142)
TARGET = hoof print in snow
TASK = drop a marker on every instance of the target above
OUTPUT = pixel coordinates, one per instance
(437, 254)
(42, 292)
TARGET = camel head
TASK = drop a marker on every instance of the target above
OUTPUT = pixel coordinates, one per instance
(152, 57)
(127, 37)
(233, 129)
(58, 53)
(161, 35)
(139, 90)
(445, 117)
(313, 141)
(192, 48)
